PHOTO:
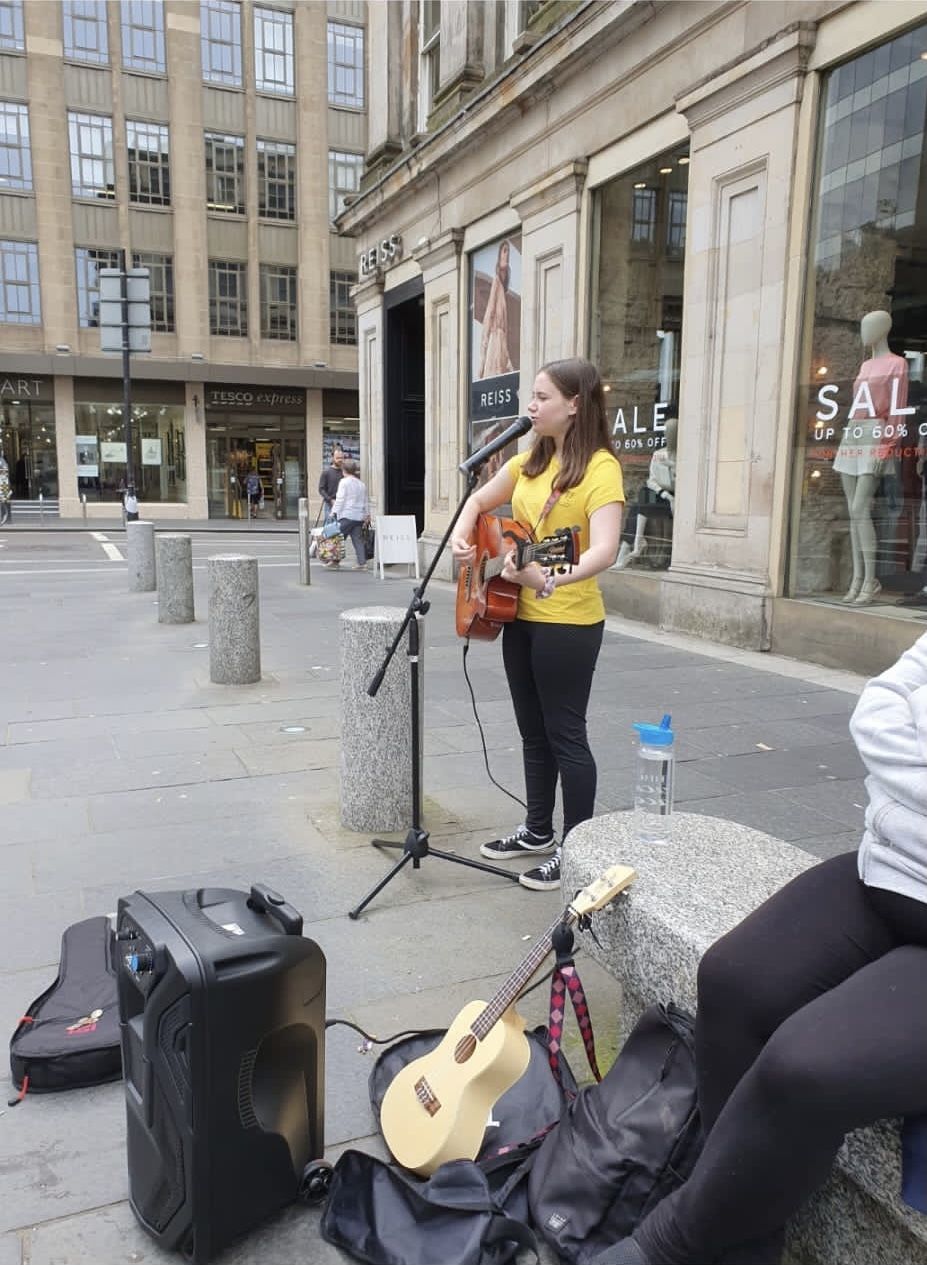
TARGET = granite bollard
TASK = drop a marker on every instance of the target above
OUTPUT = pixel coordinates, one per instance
(376, 733)
(140, 551)
(174, 555)
(234, 619)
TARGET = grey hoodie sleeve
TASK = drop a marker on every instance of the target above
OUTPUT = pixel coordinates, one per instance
(889, 727)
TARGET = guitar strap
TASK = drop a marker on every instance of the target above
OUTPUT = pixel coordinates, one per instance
(548, 506)
(565, 980)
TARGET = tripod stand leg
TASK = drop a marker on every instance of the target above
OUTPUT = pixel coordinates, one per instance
(403, 860)
(474, 865)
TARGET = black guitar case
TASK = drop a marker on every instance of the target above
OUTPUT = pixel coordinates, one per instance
(69, 1036)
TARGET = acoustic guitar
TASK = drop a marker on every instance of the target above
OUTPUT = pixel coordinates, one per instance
(436, 1108)
(484, 600)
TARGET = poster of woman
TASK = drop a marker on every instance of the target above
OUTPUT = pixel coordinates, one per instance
(495, 336)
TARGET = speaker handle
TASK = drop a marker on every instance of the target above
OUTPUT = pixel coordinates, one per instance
(264, 900)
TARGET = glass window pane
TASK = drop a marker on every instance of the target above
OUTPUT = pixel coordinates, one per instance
(863, 434)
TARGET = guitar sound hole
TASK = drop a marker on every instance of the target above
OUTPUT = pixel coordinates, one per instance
(464, 1048)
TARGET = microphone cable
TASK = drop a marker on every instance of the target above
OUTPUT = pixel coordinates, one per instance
(479, 725)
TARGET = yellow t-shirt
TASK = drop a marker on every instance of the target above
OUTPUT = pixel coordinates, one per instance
(579, 603)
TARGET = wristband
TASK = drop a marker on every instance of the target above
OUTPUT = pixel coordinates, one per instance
(549, 586)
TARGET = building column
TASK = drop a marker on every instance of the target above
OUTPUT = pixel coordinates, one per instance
(314, 456)
(445, 356)
(195, 445)
(732, 492)
(69, 503)
(368, 300)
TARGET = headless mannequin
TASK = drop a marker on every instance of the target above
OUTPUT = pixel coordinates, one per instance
(859, 462)
(662, 480)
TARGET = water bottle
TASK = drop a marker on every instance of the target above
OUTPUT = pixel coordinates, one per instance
(653, 789)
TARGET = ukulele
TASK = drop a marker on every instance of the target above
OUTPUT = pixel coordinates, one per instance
(485, 601)
(436, 1108)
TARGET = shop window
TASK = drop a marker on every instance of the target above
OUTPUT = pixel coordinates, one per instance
(636, 327)
(89, 261)
(15, 155)
(12, 34)
(343, 316)
(19, 285)
(278, 302)
(91, 142)
(161, 281)
(345, 65)
(276, 166)
(85, 37)
(143, 36)
(27, 440)
(149, 163)
(344, 177)
(273, 52)
(158, 452)
(228, 298)
(225, 173)
(220, 41)
(860, 522)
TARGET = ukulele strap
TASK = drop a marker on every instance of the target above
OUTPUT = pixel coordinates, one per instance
(565, 982)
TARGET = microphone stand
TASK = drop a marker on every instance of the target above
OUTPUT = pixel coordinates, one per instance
(415, 847)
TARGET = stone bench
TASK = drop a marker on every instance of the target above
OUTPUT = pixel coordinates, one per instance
(690, 891)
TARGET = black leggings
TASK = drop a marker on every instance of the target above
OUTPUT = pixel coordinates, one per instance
(549, 669)
(812, 1021)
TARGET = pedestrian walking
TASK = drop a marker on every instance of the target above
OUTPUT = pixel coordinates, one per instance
(6, 492)
(329, 480)
(352, 509)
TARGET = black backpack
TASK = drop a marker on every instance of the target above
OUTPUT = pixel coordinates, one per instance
(621, 1145)
(468, 1212)
(68, 1038)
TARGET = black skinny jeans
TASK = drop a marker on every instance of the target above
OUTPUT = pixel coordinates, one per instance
(549, 669)
(812, 1021)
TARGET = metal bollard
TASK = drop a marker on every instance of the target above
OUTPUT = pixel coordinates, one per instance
(83, 505)
(174, 553)
(41, 507)
(303, 541)
(234, 620)
(141, 556)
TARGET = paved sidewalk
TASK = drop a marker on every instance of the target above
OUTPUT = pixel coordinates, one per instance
(122, 767)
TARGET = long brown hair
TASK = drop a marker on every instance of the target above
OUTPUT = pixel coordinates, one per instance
(579, 378)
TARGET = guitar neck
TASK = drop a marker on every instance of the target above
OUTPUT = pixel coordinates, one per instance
(509, 991)
(494, 566)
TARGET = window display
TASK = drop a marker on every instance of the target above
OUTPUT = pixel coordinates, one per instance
(636, 325)
(861, 501)
(158, 450)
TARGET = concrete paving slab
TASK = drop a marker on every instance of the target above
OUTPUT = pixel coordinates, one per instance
(32, 926)
(776, 813)
(93, 726)
(33, 820)
(148, 772)
(777, 735)
(18, 989)
(14, 786)
(11, 1249)
(135, 746)
(292, 757)
(63, 1153)
(63, 754)
(760, 770)
(825, 846)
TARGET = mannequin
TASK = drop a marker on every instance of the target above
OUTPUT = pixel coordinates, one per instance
(6, 491)
(860, 459)
(655, 500)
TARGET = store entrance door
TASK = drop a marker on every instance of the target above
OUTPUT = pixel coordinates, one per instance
(270, 450)
(405, 407)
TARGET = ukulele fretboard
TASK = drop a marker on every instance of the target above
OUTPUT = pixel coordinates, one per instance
(509, 991)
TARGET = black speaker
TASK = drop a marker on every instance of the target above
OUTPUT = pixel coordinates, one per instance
(222, 1016)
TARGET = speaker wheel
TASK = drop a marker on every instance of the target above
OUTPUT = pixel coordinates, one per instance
(315, 1181)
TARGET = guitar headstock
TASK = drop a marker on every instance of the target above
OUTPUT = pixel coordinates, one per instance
(602, 891)
(562, 549)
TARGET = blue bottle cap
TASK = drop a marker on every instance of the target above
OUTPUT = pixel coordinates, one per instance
(656, 735)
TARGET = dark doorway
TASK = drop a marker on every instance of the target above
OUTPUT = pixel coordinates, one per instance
(405, 402)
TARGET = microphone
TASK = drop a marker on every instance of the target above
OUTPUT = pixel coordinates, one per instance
(515, 431)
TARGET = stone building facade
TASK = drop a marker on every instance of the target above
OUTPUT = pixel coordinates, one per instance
(705, 198)
(213, 143)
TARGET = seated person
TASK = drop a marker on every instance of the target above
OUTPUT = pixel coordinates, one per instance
(655, 499)
(811, 1017)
